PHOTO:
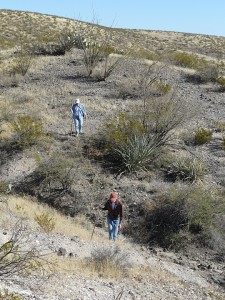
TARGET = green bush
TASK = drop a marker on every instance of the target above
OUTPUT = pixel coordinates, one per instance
(221, 82)
(181, 214)
(185, 169)
(186, 60)
(202, 136)
(144, 53)
(121, 129)
(28, 130)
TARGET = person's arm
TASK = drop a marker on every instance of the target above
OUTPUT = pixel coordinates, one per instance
(104, 207)
(84, 111)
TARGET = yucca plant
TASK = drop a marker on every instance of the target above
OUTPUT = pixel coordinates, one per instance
(136, 153)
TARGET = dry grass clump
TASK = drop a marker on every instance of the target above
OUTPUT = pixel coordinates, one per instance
(108, 262)
(28, 210)
(184, 168)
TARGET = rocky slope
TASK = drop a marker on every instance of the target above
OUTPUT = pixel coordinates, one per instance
(47, 92)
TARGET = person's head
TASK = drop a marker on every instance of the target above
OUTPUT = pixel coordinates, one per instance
(113, 197)
(77, 101)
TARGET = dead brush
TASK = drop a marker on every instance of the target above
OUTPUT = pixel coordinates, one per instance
(108, 261)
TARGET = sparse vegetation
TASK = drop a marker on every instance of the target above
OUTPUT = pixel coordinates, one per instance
(110, 261)
(6, 295)
(187, 60)
(181, 214)
(202, 136)
(27, 130)
(55, 172)
(185, 168)
(14, 259)
(147, 105)
(45, 221)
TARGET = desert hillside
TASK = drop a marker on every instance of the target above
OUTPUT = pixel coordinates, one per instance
(154, 132)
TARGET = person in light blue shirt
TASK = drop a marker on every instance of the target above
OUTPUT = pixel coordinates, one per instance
(79, 113)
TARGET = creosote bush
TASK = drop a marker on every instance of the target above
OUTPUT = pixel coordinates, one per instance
(202, 136)
(182, 213)
(55, 172)
(27, 130)
(122, 129)
(187, 60)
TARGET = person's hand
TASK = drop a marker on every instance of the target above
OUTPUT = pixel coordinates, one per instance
(120, 226)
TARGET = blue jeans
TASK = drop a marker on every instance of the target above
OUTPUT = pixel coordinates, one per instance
(113, 225)
(78, 121)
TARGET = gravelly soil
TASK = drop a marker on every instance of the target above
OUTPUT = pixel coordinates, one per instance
(56, 82)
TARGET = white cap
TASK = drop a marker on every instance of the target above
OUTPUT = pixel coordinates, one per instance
(77, 100)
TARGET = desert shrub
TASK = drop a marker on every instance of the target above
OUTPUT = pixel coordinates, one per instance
(97, 50)
(208, 72)
(185, 169)
(221, 82)
(144, 53)
(108, 260)
(219, 126)
(181, 212)
(136, 153)
(21, 64)
(17, 256)
(45, 221)
(202, 136)
(6, 295)
(122, 128)
(55, 172)
(48, 48)
(27, 130)
(23, 58)
(3, 187)
(137, 137)
(68, 39)
(161, 87)
(184, 59)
